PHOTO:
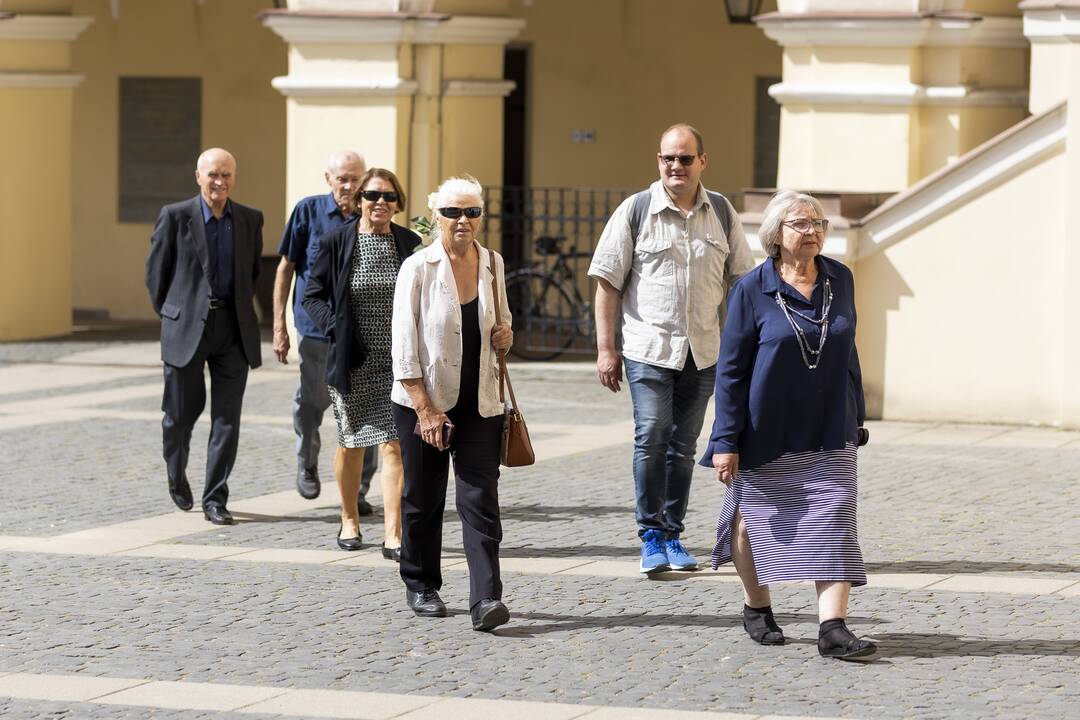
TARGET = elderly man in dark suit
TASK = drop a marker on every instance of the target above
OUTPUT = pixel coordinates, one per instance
(204, 260)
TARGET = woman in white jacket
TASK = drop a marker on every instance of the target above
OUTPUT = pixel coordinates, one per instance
(445, 337)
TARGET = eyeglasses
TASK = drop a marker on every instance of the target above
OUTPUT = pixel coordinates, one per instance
(453, 213)
(803, 226)
(374, 195)
(684, 160)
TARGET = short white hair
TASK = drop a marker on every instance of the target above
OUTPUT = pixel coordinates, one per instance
(778, 208)
(456, 185)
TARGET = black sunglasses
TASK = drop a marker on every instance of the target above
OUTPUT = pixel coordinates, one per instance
(684, 160)
(374, 195)
(453, 213)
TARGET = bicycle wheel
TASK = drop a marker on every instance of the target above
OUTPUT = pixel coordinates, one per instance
(545, 315)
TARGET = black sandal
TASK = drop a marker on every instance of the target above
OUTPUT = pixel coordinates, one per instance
(836, 641)
(761, 626)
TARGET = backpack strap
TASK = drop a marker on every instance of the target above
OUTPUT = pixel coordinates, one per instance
(722, 208)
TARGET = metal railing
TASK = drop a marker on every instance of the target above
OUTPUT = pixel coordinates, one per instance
(547, 237)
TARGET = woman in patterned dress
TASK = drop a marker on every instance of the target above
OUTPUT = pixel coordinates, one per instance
(350, 296)
(789, 405)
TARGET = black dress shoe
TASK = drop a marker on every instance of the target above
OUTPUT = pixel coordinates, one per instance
(488, 615)
(180, 492)
(391, 553)
(350, 544)
(307, 482)
(218, 515)
(426, 603)
(364, 507)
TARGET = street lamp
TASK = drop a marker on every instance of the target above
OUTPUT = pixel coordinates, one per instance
(739, 12)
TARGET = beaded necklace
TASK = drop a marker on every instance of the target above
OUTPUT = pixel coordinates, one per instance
(800, 337)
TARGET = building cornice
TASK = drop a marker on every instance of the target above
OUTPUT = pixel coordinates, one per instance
(40, 80)
(390, 28)
(303, 86)
(1023, 145)
(892, 30)
(1051, 22)
(43, 27)
(478, 88)
(896, 95)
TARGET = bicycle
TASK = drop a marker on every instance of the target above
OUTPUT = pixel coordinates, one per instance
(549, 311)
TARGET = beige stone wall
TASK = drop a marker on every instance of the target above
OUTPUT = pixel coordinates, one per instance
(962, 319)
(220, 41)
(629, 68)
(35, 215)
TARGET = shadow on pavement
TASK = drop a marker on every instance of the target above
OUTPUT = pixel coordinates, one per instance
(961, 567)
(566, 623)
(925, 645)
(548, 513)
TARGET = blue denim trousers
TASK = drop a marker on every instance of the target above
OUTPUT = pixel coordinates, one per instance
(669, 408)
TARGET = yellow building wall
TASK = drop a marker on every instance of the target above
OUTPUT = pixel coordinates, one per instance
(824, 149)
(236, 57)
(35, 216)
(628, 69)
(962, 319)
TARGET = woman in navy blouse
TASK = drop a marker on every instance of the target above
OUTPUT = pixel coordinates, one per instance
(789, 404)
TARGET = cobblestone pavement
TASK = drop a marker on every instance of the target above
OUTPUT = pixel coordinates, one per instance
(82, 438)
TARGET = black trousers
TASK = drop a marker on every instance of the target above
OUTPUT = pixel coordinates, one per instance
(475, 451)
(185, 397)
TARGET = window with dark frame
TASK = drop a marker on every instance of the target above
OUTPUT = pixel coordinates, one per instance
(160, 140)
(766, 133)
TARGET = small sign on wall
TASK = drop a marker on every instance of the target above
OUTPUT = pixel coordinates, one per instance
(583, 136)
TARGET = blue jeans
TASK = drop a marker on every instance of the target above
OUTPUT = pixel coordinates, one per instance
(669, 408)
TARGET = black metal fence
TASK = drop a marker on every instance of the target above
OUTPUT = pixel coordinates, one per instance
(547, 237)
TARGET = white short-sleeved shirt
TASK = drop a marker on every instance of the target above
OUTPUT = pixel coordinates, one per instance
(673, 278)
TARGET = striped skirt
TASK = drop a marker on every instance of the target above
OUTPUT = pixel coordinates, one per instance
(800, 513)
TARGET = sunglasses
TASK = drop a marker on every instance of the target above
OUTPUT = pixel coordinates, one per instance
(374, 195)
(453, 213)
(684, 160)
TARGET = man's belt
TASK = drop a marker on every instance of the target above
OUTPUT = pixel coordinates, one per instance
(216, 304)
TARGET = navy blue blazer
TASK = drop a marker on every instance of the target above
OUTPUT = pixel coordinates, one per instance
(178, 278)
(767, 401)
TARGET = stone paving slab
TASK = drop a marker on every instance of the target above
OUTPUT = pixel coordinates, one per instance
(944, 510)
(574, 639)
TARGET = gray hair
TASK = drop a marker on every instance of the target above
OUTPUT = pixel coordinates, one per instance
(456, 185)
(778, 208)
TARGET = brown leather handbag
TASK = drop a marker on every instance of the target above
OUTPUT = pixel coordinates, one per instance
(517, 449)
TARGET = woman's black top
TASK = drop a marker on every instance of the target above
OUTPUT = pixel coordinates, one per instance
(470, 358)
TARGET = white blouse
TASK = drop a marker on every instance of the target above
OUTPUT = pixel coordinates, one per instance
(426, 329)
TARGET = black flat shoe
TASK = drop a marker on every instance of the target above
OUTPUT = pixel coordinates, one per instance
(364, 507)
(761, 626)
(218, 515)
(835, 640)
(391, 553)
(180, 492)
(488, 615)
(426, 603)
(349, 544)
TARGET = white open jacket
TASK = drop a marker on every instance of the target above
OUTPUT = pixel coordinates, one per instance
(426, 329)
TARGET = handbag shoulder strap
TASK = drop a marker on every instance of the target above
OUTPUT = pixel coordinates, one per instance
(504, 375)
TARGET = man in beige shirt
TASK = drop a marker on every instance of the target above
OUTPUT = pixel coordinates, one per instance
(666, 259)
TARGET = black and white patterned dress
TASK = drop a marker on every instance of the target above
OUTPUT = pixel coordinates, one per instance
(363, 415)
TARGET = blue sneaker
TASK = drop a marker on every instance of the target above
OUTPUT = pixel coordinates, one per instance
(677, 556)
(653, 557)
